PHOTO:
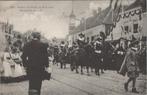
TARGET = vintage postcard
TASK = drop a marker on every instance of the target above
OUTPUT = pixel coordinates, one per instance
(73, 47)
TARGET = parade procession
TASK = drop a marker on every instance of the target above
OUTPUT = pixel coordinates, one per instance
(81, 47)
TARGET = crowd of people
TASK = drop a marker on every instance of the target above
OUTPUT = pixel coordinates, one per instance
(124, 56)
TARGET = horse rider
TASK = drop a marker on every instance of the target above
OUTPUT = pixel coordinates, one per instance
(62, 54)
(98, 55)
(81, 40)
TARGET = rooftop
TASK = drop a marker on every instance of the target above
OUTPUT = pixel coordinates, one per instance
(105, 16)
(92, 21)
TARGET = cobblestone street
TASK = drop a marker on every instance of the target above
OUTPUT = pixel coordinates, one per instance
(65, 82)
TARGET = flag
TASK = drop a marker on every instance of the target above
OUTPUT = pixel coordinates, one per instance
(116, 11)
(108, 20)
(112, 16)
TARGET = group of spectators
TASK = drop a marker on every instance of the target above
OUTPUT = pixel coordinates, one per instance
(12, 66)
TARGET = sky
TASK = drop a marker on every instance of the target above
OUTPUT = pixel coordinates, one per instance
(51, 18)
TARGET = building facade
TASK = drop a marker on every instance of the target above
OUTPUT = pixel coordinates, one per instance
(129, 24)
(91, 27)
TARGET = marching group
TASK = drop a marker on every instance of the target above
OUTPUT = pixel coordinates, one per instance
(127, 57)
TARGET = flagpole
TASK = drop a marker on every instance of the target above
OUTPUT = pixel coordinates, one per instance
(122, 13)
(111, 31)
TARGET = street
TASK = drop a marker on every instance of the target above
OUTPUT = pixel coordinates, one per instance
(102, 34)
(65, 82)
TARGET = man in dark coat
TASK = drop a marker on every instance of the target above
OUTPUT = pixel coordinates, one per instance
(35, 59)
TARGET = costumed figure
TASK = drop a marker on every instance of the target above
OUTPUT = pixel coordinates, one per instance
(98, 56)
(130, 66)
(62, 55)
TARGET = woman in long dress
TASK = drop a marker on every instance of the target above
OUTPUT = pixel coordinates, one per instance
(7, 64)
(18, 71)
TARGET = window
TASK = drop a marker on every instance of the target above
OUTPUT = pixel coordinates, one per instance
(135, 28)
(126, 28)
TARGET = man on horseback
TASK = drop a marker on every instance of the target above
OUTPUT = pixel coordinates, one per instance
(62, 54)
(81, 40)
(98, 55)
(79, 53)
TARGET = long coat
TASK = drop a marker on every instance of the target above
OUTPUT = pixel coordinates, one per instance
(35, 59)
(130, 64)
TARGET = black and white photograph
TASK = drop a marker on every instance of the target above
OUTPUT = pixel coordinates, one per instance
(73, 47)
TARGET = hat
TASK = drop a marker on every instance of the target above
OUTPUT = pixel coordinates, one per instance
(36, 35)
(99, 38)
(81, 34)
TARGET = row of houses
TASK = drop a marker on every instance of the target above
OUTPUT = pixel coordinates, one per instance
(129, 23)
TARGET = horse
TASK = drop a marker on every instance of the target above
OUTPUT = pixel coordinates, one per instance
(108, 50)
(81, 57)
